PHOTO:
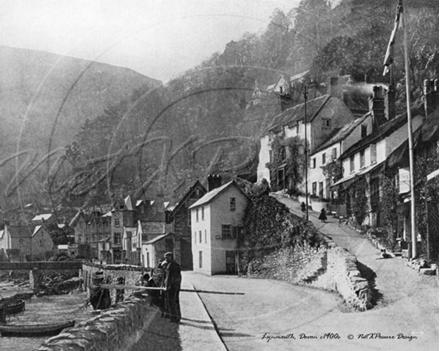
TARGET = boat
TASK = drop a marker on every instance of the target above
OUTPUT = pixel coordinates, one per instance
(36, 330)
(14, 306)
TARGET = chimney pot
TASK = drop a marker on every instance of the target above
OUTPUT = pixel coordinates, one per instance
(333, 88)
(377, 107)
(214, 181)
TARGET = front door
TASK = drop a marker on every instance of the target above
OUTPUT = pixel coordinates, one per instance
(230, 262)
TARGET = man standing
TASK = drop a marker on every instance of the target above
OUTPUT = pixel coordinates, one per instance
(173, 279)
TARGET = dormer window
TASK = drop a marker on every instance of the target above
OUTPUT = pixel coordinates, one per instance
(326, 123)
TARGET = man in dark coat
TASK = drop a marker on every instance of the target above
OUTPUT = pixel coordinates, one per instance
(173, 280)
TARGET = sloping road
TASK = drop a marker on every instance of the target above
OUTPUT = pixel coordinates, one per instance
(408, 306)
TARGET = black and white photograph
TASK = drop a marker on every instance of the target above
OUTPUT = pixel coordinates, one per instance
(222, 175)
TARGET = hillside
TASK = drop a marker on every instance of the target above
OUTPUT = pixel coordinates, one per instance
(35, 84)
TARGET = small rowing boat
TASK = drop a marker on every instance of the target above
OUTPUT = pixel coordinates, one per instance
(14, 306)
(36, 330)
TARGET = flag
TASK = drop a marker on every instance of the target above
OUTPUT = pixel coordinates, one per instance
(398, 23)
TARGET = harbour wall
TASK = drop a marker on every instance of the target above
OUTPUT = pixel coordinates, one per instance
(118, 328)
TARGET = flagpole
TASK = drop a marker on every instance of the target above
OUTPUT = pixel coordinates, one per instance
(410, 139)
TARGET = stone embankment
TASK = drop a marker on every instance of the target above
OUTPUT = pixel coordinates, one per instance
(118, 328)
(333, 269)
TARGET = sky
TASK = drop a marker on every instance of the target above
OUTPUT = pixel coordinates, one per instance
(158, 38)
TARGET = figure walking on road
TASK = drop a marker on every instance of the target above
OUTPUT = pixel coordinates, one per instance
(323, 216)
(173, 280)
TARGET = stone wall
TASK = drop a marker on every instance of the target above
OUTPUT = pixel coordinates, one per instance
(116, 329)
(333, 269)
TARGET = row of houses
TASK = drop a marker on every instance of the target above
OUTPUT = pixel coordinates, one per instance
(361, 145)
(29, 242)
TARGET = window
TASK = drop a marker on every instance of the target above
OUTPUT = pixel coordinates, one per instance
(351, 163)
(313, 163)
(117, 222)
(362, 157)
(270, 155)
(326, 122)
(373, 153)
(321, 190)
(197, 215)
(21, 241)
(363, 131)
(203, 213)
(117, 238)
(232, 204)
(334, 154)
(314, 188)
(297, 128)
(323, 158)
(189, 218)
(200, 236)
(200, 259)
(226, 231)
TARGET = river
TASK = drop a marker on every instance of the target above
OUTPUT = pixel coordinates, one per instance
(46, 309)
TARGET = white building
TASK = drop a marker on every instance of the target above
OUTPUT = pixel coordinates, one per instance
(216, 221)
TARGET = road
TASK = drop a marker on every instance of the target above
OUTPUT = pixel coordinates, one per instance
(405, 316)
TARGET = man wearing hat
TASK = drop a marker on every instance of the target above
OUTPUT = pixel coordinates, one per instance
(173, 279)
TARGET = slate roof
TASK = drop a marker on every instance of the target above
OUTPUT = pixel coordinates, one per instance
(20, 231)
(296, 113)
(75, 219)
(427, 132)
(385, 130)
(188, 194)
(42, 217)
(214, 193)
(156, 239)
(341, 133)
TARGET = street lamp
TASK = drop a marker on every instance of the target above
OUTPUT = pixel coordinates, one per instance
(305, 148)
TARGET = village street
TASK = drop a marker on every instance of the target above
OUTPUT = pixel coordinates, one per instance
(408, 305)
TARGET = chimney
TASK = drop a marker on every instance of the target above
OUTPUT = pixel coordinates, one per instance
(333, 87)
(390, 103)
(430, 91)
(214, 181)
(377, 107)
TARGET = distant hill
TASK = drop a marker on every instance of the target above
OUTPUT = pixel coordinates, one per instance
(33, 86)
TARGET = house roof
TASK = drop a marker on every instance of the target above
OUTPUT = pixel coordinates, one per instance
(384, 131)
(297, 112)
(128, 203)
(341, 133)
(20, 231)
(196, 185)
(156, 239)
(354, 175)
(36, 229)
(76, 218)
(214, 193)
(42, 217)
(427, 132)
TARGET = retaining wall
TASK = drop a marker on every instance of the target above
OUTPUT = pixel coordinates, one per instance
(116, 329)
(333, 269)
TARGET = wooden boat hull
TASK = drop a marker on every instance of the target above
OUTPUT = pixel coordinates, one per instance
(14, 307)
(36, 330)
